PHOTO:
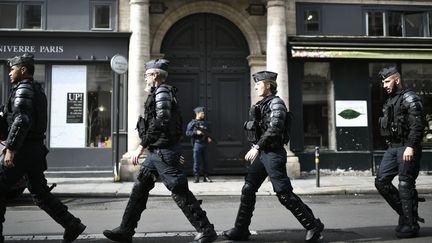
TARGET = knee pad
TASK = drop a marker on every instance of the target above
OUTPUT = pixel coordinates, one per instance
(48, 202)
(179, 186)
(383, 186)
(145, 179)
(248, 189)
(406, 189)
(289, 199)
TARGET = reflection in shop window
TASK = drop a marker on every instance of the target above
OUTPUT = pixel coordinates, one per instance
(395, 24)
(99, 90)
(39, 75)
(375, 23)
(311, 20)
(317, 95)
(379, 97)
(414, 24)
(418, 77)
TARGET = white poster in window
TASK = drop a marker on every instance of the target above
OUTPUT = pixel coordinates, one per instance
(67, 80)
(351, 113)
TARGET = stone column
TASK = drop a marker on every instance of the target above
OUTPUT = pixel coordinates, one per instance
(277, 61)
(256, 63)
(139, 53)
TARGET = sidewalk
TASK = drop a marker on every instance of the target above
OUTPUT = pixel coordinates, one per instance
(229, 185)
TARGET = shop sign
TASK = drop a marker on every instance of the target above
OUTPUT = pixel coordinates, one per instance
(351, 113)
(75, 112)
(31, 49)
(119, 64)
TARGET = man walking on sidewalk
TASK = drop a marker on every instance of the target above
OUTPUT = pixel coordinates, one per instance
(268, 131)
(402, 124)
(160, 131)
(25, 116)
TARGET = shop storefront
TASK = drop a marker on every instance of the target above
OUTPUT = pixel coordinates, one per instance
(74, 69)
(337, 96)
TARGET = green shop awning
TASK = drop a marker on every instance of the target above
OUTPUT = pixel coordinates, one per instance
(362, 53)
(360, 47)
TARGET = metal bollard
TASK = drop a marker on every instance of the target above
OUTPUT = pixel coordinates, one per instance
(317, 169)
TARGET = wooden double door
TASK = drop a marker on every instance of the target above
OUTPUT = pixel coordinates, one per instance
(208, 64)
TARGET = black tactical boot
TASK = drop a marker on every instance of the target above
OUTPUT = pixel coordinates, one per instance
(304, 215)
(409, 199)
(196, 216)
(132, 214)
(314, 234)
(59, 212)
(241, 232)
(72, 232)
(119, 235)
(207, 179)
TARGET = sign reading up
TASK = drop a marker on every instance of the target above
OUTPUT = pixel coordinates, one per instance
(75, 111)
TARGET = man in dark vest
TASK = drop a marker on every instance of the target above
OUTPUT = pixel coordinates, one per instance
(402, 125)
(268, 131)
(25, 152)
(198, 130)
(160, 131)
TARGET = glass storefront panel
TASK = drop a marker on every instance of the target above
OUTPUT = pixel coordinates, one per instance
(378, 97)
(81, 106)
(317, 91)
(418, 77)
(99, 91)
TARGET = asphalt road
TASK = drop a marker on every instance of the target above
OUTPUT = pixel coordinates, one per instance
(349, 218)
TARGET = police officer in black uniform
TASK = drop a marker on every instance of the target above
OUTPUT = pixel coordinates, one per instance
(198, 130)
(267, 129)
(25, 152)
(402, 124)
(160, 131)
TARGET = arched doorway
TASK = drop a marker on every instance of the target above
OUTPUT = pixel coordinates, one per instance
(209, 66)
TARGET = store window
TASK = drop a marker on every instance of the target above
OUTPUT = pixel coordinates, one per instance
(32, 16)
(375, 23)
(418, 77)
(311, 20)
(40, 75)
(8, 15)
(379, 97)
(317, 91)
(101, 15)
(99, 91)
(81, 106)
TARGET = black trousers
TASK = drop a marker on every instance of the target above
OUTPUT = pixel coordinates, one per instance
(165, 164)
(273, 165)
(29, 161)
(393, 164)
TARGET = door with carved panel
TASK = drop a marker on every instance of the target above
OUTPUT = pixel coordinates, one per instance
(208, 65)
